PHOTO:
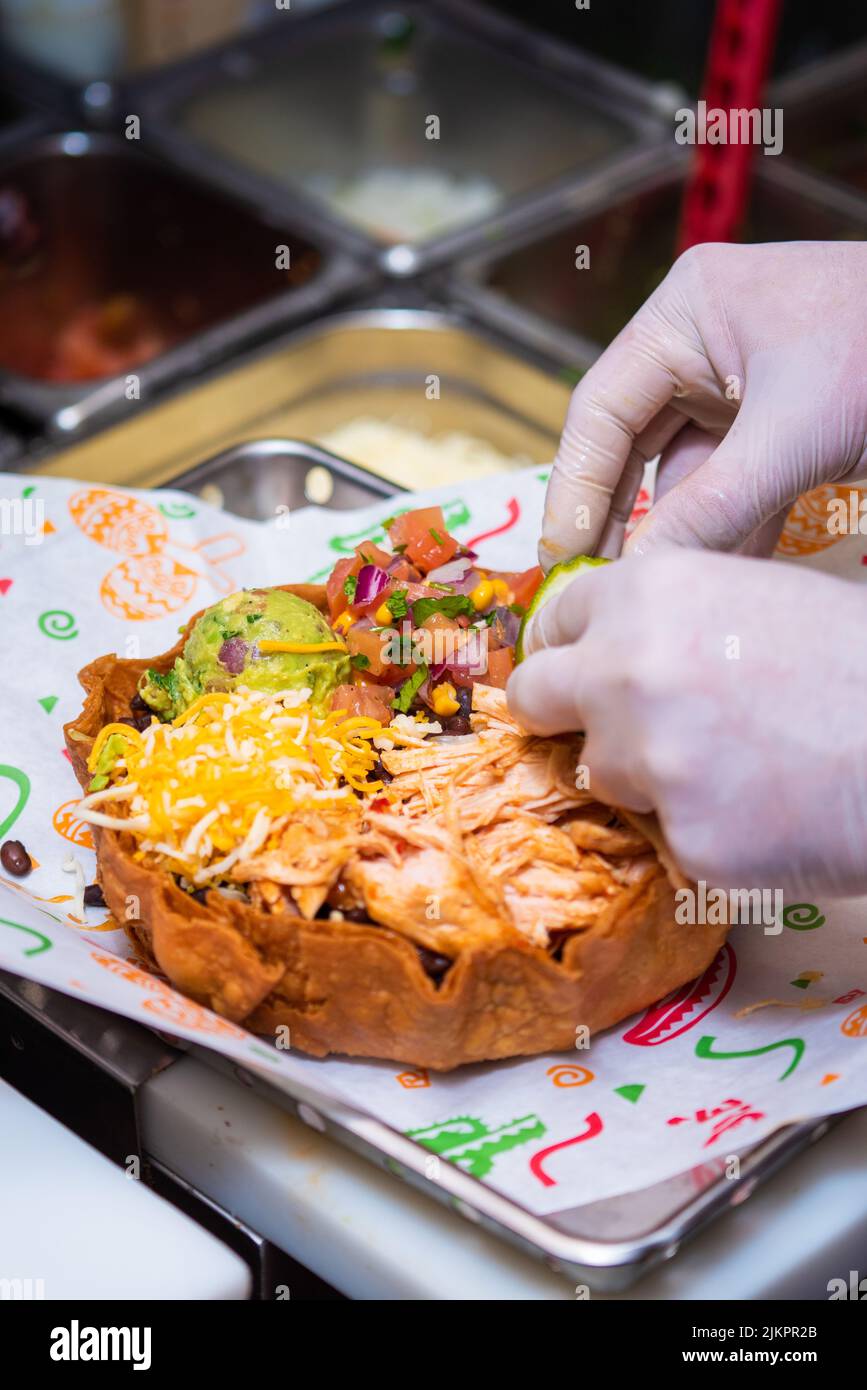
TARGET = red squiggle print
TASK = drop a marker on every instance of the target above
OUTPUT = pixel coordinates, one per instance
(594, 1127)
(513, 507)
(687, 1006)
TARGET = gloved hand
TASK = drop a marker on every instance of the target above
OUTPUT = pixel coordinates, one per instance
(728, 694)
(761, 349)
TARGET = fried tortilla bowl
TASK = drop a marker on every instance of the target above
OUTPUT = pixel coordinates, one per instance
(553, 913)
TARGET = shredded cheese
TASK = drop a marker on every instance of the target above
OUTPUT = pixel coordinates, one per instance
(220, 782)
(267, 647)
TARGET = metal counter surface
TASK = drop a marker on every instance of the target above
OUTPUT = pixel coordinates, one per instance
(372, 1237)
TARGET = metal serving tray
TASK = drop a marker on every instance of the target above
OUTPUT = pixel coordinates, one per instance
(256, 479)
(115, 228)
(352, 90)
(533, 291)
(825, 118)
(367, 362)
(607, 1245)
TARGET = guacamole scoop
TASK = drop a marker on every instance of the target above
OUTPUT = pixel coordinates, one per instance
(222, 652)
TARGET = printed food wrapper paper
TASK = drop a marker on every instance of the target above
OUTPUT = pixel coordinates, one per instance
(775, 1031)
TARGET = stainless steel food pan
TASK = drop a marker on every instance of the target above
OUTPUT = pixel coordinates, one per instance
(127, 270)
(313, 104)
(825, 118)
(259, 478)
(430, 371)
(533, 291)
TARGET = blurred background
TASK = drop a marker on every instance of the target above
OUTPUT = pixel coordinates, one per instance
(397, 233)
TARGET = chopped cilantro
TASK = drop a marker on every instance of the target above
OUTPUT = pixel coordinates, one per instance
(350, 584)
(389, 522)
(399, 549)
(397, 604)
(437, 537)
(166, 681)
(408, 691)
(518, 609)
(450, 604)
(360, 661)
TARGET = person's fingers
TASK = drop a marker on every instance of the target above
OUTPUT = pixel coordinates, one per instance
(544, 692)
(667, 425)
(742, 485)
(618, 418)
(688, 450)
(764, 541)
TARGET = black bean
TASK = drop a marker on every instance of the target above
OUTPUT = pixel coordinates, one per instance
(136, 721)
(93, 896)
(433, 964)
(379, 773)
(138, 704)
(457, 724)
(15, 859)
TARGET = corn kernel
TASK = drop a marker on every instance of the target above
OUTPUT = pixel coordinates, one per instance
(482, 595)
(382, 616)
(444, 700)
(502, 591)
(343, 623)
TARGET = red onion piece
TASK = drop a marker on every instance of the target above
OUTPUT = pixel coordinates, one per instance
(450, 573)
(232, 655)
(507, 626)
(371, 582)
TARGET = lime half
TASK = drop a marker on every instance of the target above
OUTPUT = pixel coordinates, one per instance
(555, 581)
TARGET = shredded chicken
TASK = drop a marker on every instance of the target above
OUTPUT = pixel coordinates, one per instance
(483, 837)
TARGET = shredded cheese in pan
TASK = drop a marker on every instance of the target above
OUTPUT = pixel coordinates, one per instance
(221, 781)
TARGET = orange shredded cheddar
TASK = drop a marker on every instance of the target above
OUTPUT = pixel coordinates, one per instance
(267, 647)
(220, 782)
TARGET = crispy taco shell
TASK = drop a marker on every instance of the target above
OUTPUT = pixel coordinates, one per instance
(362, 990)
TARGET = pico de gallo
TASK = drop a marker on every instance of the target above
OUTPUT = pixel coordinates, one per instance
(423, 622)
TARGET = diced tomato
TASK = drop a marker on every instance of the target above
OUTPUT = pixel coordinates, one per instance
(404, 527)
(337, 599)
(404, 572)
(370, 643)
(431, 549)
(423, 533)
(500, 666)
(370, 554)
(460, 677)
(363, 700)
(523, 584)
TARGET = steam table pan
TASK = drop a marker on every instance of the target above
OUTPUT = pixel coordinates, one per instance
(825, 118)
(533, 290)
(430, 370)
(448, 90)
(122, 276)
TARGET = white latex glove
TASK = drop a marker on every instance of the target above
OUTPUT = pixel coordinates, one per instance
(728, 694)
(762, 350)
